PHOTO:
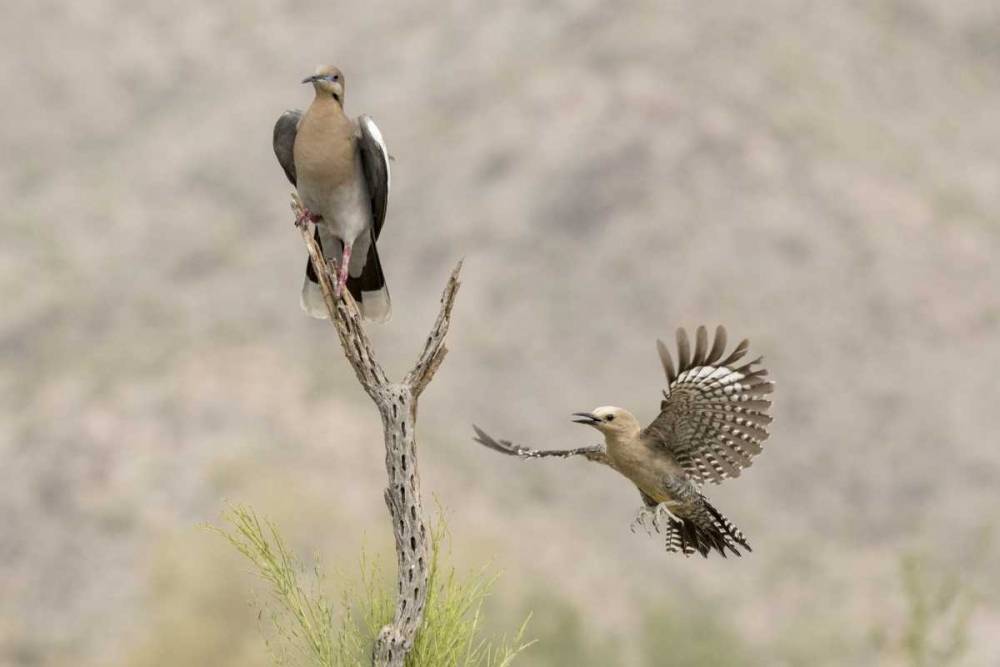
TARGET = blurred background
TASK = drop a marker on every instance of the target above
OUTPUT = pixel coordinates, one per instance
(819, 177)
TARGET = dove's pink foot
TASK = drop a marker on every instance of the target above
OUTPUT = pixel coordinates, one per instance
(305, 216)
(345, 264)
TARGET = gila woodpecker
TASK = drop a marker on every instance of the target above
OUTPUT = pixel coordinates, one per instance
(713, 420)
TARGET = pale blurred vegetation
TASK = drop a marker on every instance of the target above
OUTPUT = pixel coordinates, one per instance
(299, 622)
(940, 601)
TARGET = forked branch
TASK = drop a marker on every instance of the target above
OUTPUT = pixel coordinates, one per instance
(397, 405)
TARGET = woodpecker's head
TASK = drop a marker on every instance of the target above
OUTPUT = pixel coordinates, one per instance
(610, 421)
(328, 81)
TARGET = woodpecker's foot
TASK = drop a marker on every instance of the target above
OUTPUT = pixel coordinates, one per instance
(652, 517)
(305, 216)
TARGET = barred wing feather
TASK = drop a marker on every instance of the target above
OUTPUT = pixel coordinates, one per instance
(713, 419)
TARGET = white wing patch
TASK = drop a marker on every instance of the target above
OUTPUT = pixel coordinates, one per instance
(384, 152)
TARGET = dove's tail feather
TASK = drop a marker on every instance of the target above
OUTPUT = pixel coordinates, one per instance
(368, 289)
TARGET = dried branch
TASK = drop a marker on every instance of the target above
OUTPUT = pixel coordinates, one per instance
(345, 316)
(434, 348)
(397, 405)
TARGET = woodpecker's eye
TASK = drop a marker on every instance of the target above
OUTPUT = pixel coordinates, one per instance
(610, 418)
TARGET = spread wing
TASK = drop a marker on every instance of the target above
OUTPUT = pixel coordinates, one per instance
(375, 161)
(595, 453)
(714, 418)
(284, 141)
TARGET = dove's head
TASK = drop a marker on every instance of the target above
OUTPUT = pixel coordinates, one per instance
(611, 421)
(328, 80)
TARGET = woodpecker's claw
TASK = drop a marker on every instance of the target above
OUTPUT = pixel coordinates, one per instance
(652, 517)
(639, 520)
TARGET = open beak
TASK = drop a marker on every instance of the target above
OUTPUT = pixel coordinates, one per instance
(585, 418)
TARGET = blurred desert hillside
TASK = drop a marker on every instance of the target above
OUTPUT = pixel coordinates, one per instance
(822, 178)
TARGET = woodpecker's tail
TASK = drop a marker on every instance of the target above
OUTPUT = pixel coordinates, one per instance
(706, 530)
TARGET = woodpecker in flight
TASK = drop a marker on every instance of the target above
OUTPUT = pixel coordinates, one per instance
(713, 421)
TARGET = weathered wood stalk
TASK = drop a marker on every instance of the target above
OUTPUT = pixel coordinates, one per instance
(397, 404)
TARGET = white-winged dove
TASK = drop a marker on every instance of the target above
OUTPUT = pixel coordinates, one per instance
(712, 422)
(340, 168)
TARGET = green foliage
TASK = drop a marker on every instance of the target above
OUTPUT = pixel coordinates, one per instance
(301, 625)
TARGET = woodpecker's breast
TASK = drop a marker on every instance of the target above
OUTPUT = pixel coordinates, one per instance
(645, 466)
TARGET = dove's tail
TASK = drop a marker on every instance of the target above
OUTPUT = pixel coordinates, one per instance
(368, 287)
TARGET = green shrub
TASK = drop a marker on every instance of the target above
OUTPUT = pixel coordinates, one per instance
(302, 626)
